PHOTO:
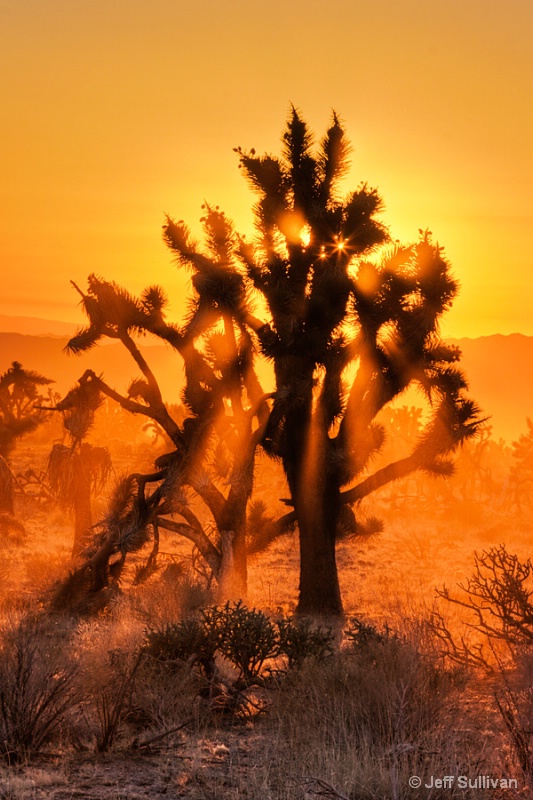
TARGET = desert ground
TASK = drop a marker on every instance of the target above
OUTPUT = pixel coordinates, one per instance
(358, 724)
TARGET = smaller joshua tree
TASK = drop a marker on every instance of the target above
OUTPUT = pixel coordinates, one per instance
(20, 413)
(79, 470)
(210, 463)
(521, 473)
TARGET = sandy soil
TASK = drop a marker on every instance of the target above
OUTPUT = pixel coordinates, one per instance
(219, 767)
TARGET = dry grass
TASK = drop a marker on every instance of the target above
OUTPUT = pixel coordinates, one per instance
(366, 723)
(355, 728)
(37, 685)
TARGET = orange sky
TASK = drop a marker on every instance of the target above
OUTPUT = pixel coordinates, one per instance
(116, 111)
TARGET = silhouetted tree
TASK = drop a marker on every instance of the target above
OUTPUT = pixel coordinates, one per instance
(20, 401)
(346, 336)
(226, 414)
(20, 413)
(78, 470)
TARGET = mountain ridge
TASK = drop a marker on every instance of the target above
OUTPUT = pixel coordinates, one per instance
(36, 326)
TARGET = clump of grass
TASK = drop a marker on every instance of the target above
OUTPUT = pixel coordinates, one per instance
(164, 700)
(109, 654)
(363, 722)
(37, 686)
(113, 700)
(172, 594)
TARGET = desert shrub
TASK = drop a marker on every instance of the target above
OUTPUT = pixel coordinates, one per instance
(300, 640)
(360, 635)
(190, 641)
(186, 668)
(37, 686)
(499, 597)
(366, 720)
(182, 651)
(246, 637)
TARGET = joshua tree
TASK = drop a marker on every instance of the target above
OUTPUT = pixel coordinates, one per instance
(347, 335)
(79, 470)
(214, 446)
(20, 413)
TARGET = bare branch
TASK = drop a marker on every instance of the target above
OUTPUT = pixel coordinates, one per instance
(198, 537)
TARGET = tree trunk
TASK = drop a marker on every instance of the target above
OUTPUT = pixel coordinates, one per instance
(233, 574)
(319, 589)
(317, 505)
(231, 577)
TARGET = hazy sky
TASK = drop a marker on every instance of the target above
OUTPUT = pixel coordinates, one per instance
(116, 111)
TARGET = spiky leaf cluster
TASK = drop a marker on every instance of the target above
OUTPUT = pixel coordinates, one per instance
(396, 311)
(114, 312)
(308, 237)
(219, 286)
(126, 522)
(68, 466)
(79, 407)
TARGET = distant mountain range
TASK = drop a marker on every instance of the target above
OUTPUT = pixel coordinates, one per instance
(36, 326)
(500, 374)
(499, 369)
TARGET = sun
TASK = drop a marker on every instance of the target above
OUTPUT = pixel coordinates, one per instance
(305, 235)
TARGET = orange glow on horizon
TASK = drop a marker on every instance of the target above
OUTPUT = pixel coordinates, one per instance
(98, 144)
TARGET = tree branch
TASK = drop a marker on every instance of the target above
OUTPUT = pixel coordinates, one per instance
(198, 537)
(160, 415)
(141, 362)
(206, 489)
(398, 469)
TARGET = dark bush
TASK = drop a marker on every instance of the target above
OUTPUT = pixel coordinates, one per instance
(190, 641)
(246, 637)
